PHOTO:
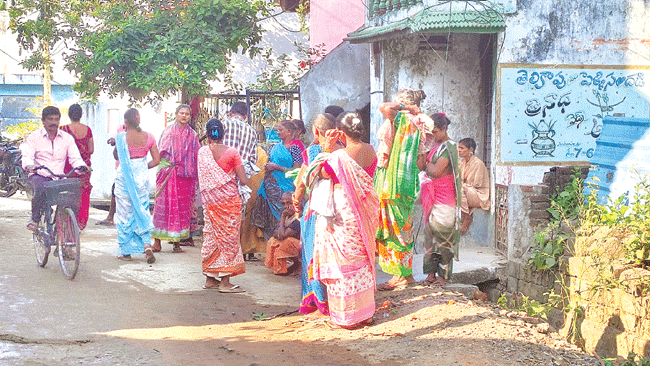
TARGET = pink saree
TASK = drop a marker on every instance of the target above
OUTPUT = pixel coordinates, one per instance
(344, 244)
(175, 183)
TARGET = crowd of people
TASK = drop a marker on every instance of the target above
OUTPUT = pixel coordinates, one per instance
(329, 208)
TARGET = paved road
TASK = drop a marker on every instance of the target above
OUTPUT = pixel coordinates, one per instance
(49, 320)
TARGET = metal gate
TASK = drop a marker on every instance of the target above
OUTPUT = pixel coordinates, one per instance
(266, 108)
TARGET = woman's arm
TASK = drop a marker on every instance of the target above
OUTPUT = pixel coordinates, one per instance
(438, 169)
(91, 146)
(296, 198)
(390, 109)
(241, 174)
(155, 156)
(422, 161)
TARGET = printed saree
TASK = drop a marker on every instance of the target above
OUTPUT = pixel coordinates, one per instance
(441, 202)
(132, 218)
(397, 186)
(221, 251)
(344, 243)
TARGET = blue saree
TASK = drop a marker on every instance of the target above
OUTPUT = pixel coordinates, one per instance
(132, 218)
(314, 293)
(269, 189)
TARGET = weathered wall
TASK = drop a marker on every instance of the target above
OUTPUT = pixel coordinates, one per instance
(527, 214)
(452, 81)
(341, 79)
(571, 33)
(613, 322)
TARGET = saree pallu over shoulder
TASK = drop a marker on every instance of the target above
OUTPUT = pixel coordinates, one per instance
(132, 218)
(397, 185)
(221, 252)
(175, 183)
(441, 197)
(351, 239)
(344, 245)
(180, 146)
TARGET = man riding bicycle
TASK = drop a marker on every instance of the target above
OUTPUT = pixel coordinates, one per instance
(50, 147)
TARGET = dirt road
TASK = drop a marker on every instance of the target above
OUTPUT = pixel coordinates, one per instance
(131, 313)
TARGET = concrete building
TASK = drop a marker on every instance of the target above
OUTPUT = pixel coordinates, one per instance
(529, 80)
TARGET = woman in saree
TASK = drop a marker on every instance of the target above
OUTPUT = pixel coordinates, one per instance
(314, 293)
(175, 182)
(132, 191)
(476, 182)
(441, 198)
(83, 138)
(220, 167)
(404, 140)
(348, 218)
(283, 157)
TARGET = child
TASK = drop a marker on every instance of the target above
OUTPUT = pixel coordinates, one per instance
(284, 247)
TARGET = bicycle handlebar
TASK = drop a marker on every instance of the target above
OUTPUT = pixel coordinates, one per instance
(60, 175)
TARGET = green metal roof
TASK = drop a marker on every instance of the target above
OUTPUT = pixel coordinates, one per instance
(428, 21)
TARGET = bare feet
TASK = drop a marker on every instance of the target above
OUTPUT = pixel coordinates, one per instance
(156, 247)
(148, 253)
(431, 278)
(396, 283)
(211, 283)
(465, 220)
(177, 248)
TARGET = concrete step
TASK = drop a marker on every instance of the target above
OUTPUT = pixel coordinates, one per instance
(476, 265)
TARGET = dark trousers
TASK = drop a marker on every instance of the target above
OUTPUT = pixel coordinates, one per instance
(38, 201)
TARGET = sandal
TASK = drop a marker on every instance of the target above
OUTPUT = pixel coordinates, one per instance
(31, 225)
(177, 248)
(186, 242)
(234, 289)
(148, 253)
(105, 223)
(126, 257)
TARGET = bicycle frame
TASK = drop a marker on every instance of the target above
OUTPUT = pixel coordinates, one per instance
(59, 226)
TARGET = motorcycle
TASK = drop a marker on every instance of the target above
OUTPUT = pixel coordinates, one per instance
(12, 175)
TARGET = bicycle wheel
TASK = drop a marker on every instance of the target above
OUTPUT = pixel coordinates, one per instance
(42, 240)
(67, 241)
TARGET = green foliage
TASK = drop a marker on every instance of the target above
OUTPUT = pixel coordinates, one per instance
(565, 208)
(303, 15)
(523, 303)
(550, 248)
(628, 219)
(21, 130)
(631, 361)
(152, 49)
(37, 28)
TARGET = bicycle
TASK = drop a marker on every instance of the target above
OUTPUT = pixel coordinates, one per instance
(59, 227)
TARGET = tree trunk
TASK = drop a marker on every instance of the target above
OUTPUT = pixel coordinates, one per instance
(47, 76)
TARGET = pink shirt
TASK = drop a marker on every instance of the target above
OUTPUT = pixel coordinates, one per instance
(38, 149)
